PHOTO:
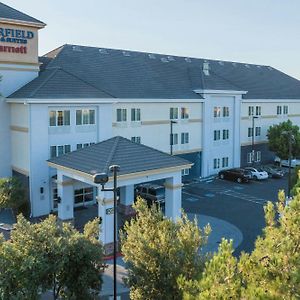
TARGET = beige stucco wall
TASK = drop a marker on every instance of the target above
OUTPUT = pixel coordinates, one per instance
(31, 55)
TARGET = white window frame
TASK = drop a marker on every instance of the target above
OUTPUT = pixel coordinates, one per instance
(258, 131)
(250, 132)
(258, 110)
(216, 163)
(185, 172)
(225, 134)
(65, 149)
(83, 145)
(85, 117)
(85, 192)
(185, 138)
(225, 162)
(217, 135)
(65, 118)
(184, 113)
(122, 113)
(279, 110)
(217, 111)
(250, 111)
(257, 156)
(249, 157)
(225, 111)
(285, 109)
(135, 115)
(173, 113)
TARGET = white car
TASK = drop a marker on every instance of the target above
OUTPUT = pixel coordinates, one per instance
(257, 173)
(285, 162)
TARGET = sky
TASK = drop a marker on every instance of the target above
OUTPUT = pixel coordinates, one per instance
(263, 32)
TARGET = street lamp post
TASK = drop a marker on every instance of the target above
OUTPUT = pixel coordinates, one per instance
(253, 117)
(102, 179)
(171, 135)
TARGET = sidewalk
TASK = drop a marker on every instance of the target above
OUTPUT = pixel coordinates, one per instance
(220, 229)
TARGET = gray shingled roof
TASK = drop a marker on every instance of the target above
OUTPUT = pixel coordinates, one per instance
(131, 157)
(7, 12)
(130, 74)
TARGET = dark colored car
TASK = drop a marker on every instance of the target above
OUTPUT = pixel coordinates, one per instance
(152, 193)
(273, 171)
(237, 174)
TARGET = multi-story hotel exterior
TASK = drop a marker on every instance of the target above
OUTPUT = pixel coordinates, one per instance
(75, 96)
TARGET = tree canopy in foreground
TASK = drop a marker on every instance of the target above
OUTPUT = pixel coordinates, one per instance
(51, 256)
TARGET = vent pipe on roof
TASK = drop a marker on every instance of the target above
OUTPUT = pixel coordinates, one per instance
(206, 68)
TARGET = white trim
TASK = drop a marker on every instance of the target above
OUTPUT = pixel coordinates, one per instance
(270, 100)
(26, 23)
(230, 92)
(83, 101)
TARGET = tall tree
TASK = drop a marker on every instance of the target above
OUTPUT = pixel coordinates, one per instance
(278, 136)
(271, 271)
(48, 256)
(158, 250)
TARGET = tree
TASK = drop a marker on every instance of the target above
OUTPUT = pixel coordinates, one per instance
(271, 271)
(47, 256)
(279, 139)
(158, 250)
(12, 193)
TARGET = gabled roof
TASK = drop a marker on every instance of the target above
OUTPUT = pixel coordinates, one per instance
(131, 157)
(9, 13)
(138, 75)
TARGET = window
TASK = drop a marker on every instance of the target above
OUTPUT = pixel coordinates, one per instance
(55, 197)
(258, 110)
(217, 135)
(224, 162)
(184, 113)
(279, 110)
(225, 134)
(249, 157)
(184, 138)
(135, 114)
(173, 113)
(217, 111)
(285, 109)
(59, 150)
(83, 195)
(216, 163)
(174, 139)
(225, 111)
(258, 156)
(59, 118)
(85, 117)
(250, 132)
(121, 114)
(250, 110)
(257, 131)
(185, 172)
(136, 139)
(80, 146)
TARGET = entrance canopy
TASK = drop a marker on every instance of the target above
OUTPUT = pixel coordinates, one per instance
(138, 164)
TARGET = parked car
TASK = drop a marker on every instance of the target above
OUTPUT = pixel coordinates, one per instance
(285, 162)
(152, 193)
(273, 171)
(257, 173)
(236, 174)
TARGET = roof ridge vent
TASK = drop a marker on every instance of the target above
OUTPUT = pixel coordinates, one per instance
(247, 66)
(187, 59)
(103, 51)
(206, 68)
(151, 55)
(234, 64)
(164, 59)
(270, 68)
(221, 63)
(126, 53)
(170, 58)
(77, 48)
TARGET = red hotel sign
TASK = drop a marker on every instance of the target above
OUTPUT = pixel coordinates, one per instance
(10, 49)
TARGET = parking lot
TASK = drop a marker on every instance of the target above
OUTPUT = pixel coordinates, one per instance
(238, 204)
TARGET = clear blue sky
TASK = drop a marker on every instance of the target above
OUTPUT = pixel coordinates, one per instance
(254, 31)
